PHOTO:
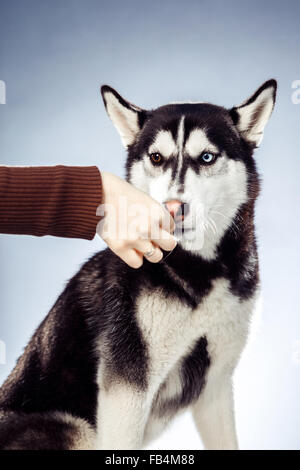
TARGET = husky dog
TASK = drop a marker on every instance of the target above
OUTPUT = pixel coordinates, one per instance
(123, 351)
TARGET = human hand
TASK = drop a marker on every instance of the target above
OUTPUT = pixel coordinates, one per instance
(134, 225)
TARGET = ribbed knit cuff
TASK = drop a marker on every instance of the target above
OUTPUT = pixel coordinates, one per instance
(59, 201)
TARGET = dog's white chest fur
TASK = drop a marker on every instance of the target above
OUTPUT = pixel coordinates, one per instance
(171, 329)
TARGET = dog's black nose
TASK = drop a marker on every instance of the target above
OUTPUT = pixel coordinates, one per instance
(178, 209)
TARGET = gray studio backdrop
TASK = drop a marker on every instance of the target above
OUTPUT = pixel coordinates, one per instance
(53, 57)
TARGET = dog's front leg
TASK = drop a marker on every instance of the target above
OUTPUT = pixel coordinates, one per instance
(122, 416)
(214, 414)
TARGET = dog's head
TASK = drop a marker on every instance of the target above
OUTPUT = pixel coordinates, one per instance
(196, 158)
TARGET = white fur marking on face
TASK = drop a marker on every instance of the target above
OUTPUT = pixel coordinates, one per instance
(164, 144)
(138, 176)
(159, 186)
(180, 137)
(219, 196)
(198, 142)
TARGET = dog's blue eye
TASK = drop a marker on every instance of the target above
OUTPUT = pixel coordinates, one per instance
(208, 157)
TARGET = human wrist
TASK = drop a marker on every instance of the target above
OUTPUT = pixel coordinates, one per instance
(109, 186)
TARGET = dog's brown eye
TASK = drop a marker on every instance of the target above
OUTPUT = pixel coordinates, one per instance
(156, 158)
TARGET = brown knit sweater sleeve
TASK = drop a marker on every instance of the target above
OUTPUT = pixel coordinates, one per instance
(58, 200)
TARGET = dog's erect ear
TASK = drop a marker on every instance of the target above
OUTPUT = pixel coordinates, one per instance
(253, 114)
(127, 118)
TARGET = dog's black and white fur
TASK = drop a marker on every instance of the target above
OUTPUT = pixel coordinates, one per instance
(123, 350)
